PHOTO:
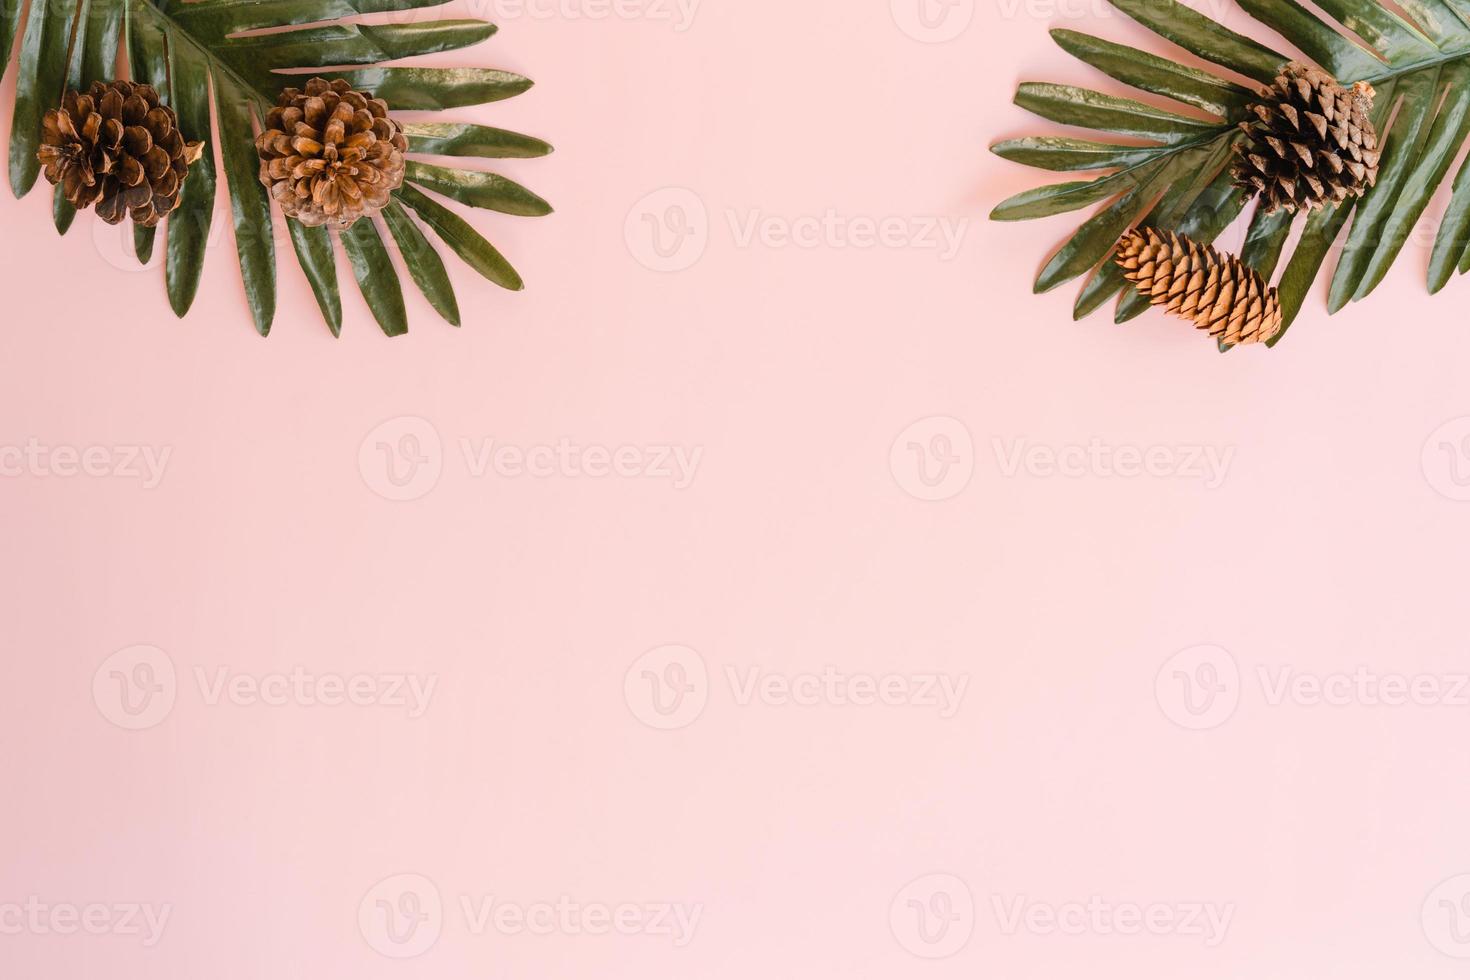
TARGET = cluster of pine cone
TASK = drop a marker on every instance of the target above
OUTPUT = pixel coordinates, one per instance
(1310, 143)
(328, 154)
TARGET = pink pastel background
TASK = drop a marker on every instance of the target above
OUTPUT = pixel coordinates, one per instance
(1333, 542)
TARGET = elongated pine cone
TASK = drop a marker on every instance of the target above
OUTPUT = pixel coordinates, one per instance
(1311, 142)
(1220, 293)
(329, 154)
(118, 147)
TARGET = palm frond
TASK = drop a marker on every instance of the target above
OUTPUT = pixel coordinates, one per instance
(234, 57)
(1173, 173)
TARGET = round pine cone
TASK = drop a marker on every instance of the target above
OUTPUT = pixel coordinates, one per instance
(1311, 142)
(330, 154)
(1220, 293)
(117, 147)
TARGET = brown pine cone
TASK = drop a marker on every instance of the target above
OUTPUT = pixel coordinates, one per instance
(330, 154)
(1310, 144)
(1220, 293)
(117, 147)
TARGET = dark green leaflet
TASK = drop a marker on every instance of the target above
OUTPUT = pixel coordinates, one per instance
(423, 263)
(314, 252)
(458, 235)
(188, 225)
(38, 87)
(1265, 240)
(478, 189)
(465, 140)
(375, 276)
(436, 88)
(250, 206)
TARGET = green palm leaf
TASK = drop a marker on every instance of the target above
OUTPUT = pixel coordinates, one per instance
(1172, 171)
(228, 60)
